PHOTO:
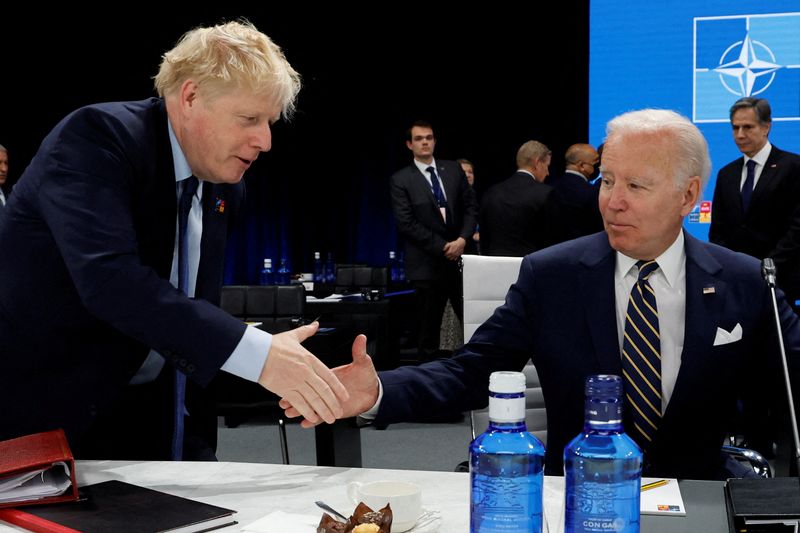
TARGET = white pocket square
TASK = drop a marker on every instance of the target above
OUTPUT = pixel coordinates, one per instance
(727, 337)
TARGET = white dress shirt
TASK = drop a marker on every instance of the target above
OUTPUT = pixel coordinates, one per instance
(248, 358)
(761, 159)
(424, 169)
(669, 283)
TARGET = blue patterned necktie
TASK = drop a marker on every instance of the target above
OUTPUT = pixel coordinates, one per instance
(188, 190)
(437, 190)
(641, 358)
(747, 188)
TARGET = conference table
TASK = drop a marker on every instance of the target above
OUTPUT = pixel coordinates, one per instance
(258, 490)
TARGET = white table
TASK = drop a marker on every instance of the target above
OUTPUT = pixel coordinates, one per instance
(255, 490)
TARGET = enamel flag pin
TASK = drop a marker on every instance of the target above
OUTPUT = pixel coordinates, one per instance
(708, 290)
(219, 205)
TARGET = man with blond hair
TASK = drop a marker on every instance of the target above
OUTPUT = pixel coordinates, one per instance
(115, 246)
(683, 321)
(516, 216)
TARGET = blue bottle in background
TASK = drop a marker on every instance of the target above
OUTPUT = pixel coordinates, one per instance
(401, 267)
(267, 277)
(394, 270)
(330, 269)
(283, 276)
(506, 464)
(602, 466)
(319, 269)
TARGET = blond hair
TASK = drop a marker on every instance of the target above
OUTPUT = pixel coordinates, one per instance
(229, 56)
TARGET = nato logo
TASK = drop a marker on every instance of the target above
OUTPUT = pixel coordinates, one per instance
(746, 55)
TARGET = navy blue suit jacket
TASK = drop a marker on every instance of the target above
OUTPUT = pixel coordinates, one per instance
(87, 244)
(771, 225)
(419, 220)
(561, 313)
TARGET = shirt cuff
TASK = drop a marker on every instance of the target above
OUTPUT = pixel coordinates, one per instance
(248, 359)
(373, 412)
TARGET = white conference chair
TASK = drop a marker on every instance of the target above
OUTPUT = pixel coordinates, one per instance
(486, 282)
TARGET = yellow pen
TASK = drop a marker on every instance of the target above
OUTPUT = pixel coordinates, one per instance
(655, 484)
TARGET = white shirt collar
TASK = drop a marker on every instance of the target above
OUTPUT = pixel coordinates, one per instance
(528, 172)
(422, 167)
(179, 163)
(762, 155)
(570, 171)
(669, 262)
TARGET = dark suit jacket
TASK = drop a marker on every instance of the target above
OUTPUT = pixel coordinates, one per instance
(577, 202)
(771, 226)
(561, 312)
(87, 252)
(420, 223)
(517, 217)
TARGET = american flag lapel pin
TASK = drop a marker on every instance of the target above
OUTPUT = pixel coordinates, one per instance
(219, 205)
(709, 290)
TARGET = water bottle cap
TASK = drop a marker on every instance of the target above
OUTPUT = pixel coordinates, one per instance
(507, 382)
(391, 255)
(316, 255)
(267, 262)
(604, 386)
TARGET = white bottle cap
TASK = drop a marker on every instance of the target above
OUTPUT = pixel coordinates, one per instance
(507, 382)
(268, 263)
(316, 255)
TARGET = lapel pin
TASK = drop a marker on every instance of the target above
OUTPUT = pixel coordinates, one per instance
(709, 290)
(219, 205)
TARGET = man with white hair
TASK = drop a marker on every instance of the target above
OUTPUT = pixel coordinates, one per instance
(683, 321)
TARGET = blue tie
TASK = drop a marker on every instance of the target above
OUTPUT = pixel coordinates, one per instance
(641, 358)
(189, 188)
(437, 190)
(747, 188)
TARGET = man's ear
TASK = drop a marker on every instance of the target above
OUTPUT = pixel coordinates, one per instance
(690, 195)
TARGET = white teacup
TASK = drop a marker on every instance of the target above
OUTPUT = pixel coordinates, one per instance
(405, 499)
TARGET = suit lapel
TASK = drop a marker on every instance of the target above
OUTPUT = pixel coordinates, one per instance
(768, 180)
(212, 241)
(597, 288)
(705, 297)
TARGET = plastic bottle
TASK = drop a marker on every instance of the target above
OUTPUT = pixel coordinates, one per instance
(506, 464)
(267, 277)
(602, 465)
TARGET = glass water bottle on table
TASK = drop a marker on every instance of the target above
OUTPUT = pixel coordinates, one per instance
(602, 466)
(506, 464)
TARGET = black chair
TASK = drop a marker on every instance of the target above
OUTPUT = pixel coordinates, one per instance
(357, 279)
(276, 309)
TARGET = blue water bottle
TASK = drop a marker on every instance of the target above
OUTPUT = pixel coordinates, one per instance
(330, 269)
(394, 273)
(602, 466)
(319, 269)
(283, 276)
(506, 464)
(267, 277)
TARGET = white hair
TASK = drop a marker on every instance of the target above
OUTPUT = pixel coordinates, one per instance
(692, 157)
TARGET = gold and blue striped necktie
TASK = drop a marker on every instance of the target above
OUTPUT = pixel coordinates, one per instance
(641, 358)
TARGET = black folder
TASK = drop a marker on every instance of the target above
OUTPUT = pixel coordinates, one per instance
(763, 505)
(119, 507)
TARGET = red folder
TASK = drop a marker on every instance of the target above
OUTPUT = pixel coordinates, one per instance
(35, 452)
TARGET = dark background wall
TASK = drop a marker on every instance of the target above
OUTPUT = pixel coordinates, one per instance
(488, 79)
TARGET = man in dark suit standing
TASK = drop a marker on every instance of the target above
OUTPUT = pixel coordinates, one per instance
(575, 196)
(516, 215)
(683, 321)
(756, 208)
(436, 213)
(756, 211)
(112, 261)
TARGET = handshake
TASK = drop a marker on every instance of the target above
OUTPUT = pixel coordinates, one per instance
(310, 389)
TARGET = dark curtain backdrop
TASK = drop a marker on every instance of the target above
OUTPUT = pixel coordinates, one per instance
(487, 79)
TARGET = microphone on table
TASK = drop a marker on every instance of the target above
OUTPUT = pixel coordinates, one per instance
(768, 272)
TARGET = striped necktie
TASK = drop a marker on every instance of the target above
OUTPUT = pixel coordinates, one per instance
(641, 358)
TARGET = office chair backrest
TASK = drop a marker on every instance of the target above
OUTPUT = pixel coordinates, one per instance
(486, 282)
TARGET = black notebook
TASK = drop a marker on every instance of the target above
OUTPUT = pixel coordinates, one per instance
(119, 507)
(756, 505)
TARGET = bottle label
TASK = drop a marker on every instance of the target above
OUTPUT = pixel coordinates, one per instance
(506, 409)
